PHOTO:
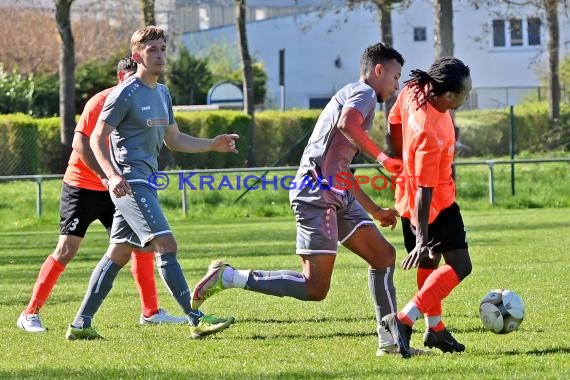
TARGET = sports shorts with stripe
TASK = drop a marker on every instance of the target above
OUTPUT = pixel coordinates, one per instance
(321, 225)
(138, 218)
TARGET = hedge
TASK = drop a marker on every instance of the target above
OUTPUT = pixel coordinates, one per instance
(31, 146)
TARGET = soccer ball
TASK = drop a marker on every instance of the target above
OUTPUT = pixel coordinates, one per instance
(501, 311)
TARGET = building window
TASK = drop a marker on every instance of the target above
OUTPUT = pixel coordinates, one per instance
(516, 32)
(420, 34)
(534, 31)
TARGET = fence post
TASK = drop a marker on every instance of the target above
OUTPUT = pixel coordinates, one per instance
(491, 164)
(39, 196)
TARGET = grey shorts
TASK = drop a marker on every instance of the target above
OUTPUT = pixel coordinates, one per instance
(138, 218)
(321, 227)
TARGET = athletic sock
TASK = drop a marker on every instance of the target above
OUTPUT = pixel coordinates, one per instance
(421, 276)
(436, 287)
(409, 314)
(383, 292)
(100, 285)
(234, 278)
(47, 278)
(280, 283)
(173, 277)
(142, 268)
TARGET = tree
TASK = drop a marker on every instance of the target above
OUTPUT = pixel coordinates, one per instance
(189, 78)
(148, 12)
(66, 71)
(248, 98)
(443, 28)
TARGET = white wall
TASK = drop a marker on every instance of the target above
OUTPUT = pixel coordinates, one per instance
(309, 63)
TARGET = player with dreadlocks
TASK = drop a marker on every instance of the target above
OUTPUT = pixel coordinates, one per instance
(423, 134)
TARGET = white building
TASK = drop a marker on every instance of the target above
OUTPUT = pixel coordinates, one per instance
(504, 46)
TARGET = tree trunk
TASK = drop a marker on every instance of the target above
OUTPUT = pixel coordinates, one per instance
(248, 99)
(148, 12)
(66, 71)
(553, 57)
(443, 28)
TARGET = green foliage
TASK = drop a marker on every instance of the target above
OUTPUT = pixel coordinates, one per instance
(45, 100)
(279, 135)
(18, 151)
(16, 92)
(486, 132)
(188, 79)
(51, 154)
(93, 77)
(259, 81)
(565, 79)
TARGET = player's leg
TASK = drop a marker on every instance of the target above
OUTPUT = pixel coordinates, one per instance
(99, 286)
(142, 269)
(76, 214)
(317, 243)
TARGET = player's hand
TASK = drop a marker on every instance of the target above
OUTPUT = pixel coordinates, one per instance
(119, 186)
(393, 165)
(387, 217)
(225, 143)
(413, 258)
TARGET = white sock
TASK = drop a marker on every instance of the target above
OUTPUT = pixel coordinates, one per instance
(234, 278)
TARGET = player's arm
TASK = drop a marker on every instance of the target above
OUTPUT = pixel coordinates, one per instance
(98, 143)
(386, 216)
(182, 142)
(81, 145)
(350, 124)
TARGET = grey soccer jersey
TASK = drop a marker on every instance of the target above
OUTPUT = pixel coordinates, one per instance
(140, 115)
(328, 148)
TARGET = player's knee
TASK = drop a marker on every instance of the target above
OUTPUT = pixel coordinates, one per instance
(65, 252)
(463, 269)
(385, 258)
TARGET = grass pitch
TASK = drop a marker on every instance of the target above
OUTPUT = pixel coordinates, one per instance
(274, 338)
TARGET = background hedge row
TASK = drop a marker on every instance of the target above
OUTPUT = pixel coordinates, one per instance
(32, 146)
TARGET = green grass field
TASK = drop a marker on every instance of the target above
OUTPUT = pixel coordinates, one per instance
(522, 249)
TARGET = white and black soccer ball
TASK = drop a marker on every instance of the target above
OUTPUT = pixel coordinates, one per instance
(501, 311)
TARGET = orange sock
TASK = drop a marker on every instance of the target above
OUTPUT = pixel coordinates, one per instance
(47, 278)
(436, 287)
(421, 276)
(142, 268)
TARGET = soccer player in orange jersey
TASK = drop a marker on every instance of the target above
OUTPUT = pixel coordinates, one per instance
(425, 198)
(84, 198)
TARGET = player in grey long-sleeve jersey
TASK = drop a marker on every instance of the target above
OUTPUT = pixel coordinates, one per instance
(327, 205)
(138, 117)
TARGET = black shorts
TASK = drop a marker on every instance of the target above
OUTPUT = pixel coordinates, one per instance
(446, 233)
(78, 208)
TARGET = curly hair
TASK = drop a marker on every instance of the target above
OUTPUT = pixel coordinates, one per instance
(445, 74)
(378, 53)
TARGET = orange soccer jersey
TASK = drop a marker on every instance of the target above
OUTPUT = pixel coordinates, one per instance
(77, 173)
(428, 146)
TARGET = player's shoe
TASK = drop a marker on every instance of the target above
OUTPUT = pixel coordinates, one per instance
(442, 340)
(30, 323)
(162, 317)
(401, 333)
(392, 349)
(209, 325)
(210, 284)
(87, 333)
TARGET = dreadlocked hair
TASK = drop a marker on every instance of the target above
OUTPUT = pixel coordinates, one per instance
(445, 74)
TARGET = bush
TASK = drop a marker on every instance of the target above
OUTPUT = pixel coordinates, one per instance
(18, 147)
(486, 132)
(15, 92)
(45, 100)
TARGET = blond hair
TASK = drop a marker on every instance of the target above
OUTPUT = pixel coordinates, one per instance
(143, 35)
